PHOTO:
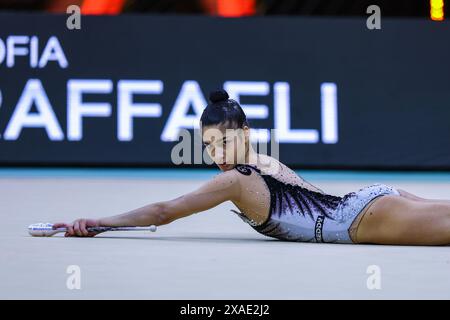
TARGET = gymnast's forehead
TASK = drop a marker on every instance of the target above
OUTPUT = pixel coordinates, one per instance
(219, 132)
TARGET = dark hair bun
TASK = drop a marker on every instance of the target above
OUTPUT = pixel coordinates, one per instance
(218, 95)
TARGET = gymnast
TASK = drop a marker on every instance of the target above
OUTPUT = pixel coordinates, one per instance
(278, 203)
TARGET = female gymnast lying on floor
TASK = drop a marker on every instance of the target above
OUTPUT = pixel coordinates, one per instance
(278, 203)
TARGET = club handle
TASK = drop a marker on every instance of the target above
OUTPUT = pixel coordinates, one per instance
(46, 230)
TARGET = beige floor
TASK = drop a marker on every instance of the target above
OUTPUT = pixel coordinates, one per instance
(211, 255)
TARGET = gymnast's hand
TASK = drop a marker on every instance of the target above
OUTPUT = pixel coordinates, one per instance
(78, 228)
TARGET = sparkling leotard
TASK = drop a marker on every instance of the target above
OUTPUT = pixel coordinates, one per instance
(299, 214)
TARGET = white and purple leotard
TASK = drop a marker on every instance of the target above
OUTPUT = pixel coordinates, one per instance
(300, 214)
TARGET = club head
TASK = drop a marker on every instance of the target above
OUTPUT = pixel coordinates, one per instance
(41, 230)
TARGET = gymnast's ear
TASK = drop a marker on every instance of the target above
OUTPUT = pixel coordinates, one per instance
(246, 131)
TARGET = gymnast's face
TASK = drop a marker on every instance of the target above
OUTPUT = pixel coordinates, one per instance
(226, 146)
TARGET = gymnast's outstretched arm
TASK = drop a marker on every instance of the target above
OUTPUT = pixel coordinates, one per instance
(223, 187)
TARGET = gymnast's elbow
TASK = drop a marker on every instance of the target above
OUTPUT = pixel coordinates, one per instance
(157, 215)
(165, 213)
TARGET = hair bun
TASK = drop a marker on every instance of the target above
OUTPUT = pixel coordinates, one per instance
(218, 95)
